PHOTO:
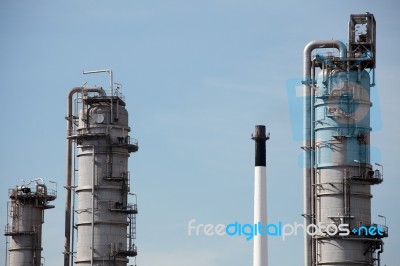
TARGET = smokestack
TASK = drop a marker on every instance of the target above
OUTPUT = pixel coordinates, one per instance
(260, 242)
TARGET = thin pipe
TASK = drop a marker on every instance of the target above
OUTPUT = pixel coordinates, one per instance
(312, 95)
(379, 254)
(8, 224)
(307, 132)
(109, 71)
(35, 180)
(93, 184)
(67, 231)
(76, 100)
(345, 196)
(73, 210)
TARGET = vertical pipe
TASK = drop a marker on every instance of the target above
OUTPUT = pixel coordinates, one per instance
(109, 71)
(307, 129)
(312, 155)
(67, 231)
(73, 182)
(379, 254)
(6, 260)
(93, 196)
(260, 241)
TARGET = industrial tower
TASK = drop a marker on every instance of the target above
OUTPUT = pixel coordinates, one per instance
(260, 242)
(338, 174)
(98, 138)
(25, 212)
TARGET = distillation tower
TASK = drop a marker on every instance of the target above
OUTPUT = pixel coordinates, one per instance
(25, 212)
(338, 174)
(97, 197)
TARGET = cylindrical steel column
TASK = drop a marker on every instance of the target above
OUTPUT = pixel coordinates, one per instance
(25, 219)
(260, 241)
(103, 183)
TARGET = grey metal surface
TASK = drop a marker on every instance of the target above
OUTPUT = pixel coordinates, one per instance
(25, 218)
(98, 126)
(307, 133)
(68, 198)
(337, 170)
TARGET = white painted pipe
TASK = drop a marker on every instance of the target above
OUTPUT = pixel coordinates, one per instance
(260, 241)
(260, 244)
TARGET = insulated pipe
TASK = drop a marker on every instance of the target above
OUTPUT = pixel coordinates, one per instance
(379, 254)
(93, 194)
(67, 232)
(6, 256)
(260, 241)
(312, 151)
(307, 168)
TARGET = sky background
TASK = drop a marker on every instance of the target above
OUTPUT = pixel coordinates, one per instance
(197, 77)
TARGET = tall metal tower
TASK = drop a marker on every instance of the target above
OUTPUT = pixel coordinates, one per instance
(260, 242)
(98, 138)
(25, 212)
(338, 174)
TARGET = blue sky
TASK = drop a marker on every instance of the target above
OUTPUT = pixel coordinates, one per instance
(197, 77)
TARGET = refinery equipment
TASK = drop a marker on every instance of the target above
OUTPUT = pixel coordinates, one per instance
(260, 242)
(25, 212)
(338, 174)
(98, 180)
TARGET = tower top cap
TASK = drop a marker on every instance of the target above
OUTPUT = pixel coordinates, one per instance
(259, 133)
